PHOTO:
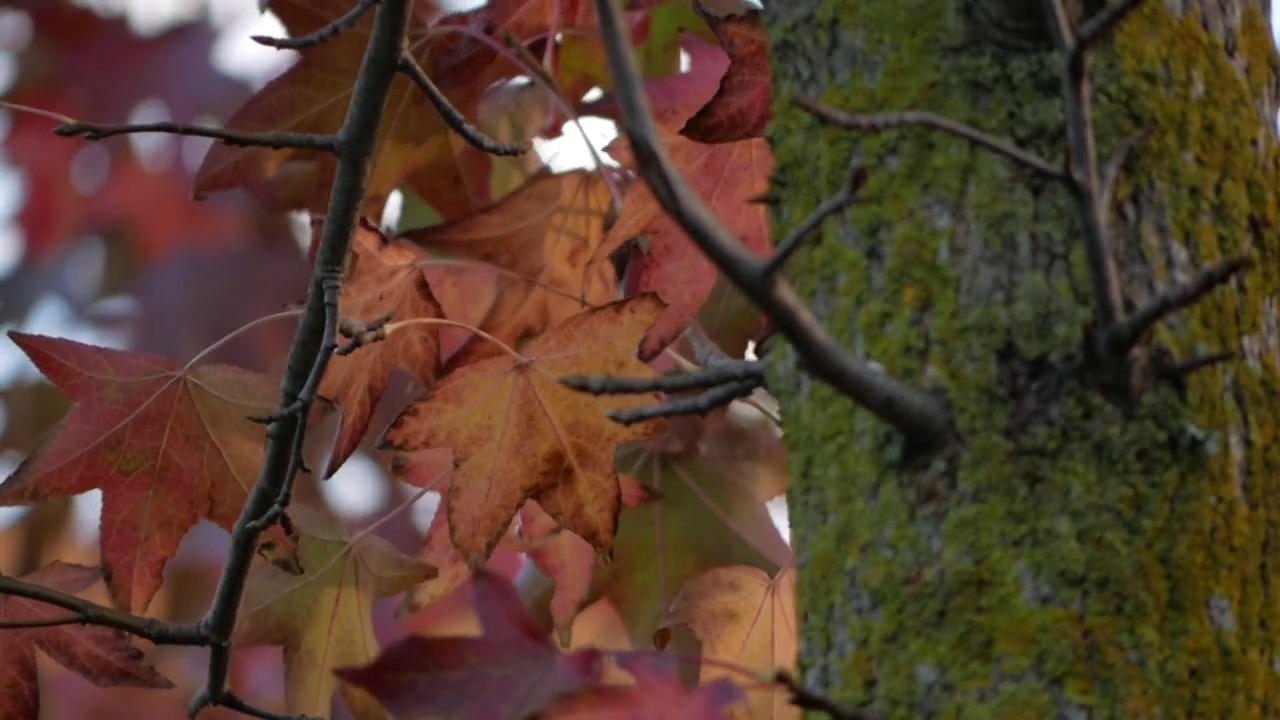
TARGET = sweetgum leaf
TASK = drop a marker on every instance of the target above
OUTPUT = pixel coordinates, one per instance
(322, 617)
(518, 434)
(656, 695)
(743, 616)
(510, 672)
(166, 445)
(741, 107)
(103, 656)
(548, 236)
(727, 176)
(312, 97)
(381, 278)
(715, 476)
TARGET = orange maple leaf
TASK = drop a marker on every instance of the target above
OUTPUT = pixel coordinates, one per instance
(743, 616)
(100, 655)
(166, 445)
(517, 433)
(726, 176)
(322, 617)
(382, 278)
(312, 97)
(548, 236)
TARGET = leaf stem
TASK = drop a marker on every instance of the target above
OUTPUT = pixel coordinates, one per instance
(392, 327)
(240, 331)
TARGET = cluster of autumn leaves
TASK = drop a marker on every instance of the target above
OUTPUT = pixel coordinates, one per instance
(666, 520)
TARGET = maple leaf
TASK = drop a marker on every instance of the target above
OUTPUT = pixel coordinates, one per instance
(382, 278)
(511, 671)
(322, 618)
(726, 176)
(517, 433)
(100, 655)
(166, 446)
(549, 235)
(741, 107)
(656, 695)
(745, 617)
(568, 559)
(715, 475)
(312, 97)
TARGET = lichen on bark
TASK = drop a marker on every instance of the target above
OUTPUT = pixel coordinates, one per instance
(1071, 557)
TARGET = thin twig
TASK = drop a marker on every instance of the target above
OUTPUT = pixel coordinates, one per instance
(276, 140)
(856, 178)
(453, 117)
(1100, 25)
(737, 371)
(232, 701)
(321, 36)
(1111, 174)
(882, 121)
(806, 699)
(700, 404)
(309, 353)
(90, 613)
(1190, 365)
(916, 414)
(1082, 173)
(1126, 333)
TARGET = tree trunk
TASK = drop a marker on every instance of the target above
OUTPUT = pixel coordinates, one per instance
(1072, 556)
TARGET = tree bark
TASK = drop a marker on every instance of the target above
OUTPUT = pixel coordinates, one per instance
(1072, 556)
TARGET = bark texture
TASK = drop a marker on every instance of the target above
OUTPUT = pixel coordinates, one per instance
(1071, 558)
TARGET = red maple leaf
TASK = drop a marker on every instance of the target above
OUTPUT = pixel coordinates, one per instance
(166, 446)
(103, 656)
(657, 695)
(511, 671)
(740, 109)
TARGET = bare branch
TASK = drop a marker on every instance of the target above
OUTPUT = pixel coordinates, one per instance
(232, 701)
(315, 338)
(914, 413)
(90, 613)
(881, 121)
(324, 34)
(735, 371)
(1118, 159)
(1082, 164)
(1184, 368)
(276, 140)
(1099, 26)
(700, 404)
(853, 182)
(453, 117)
(806, 699)
(1125, 334)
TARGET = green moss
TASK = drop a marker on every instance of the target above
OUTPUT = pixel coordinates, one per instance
(1069, 553)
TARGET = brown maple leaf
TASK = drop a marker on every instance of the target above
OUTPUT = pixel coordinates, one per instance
(726, 176)
(103, 656)
(549, 238)
(322, 617)
(381, 279)
(312, 97)
(166, 445)
(745, 617)
(517, 433)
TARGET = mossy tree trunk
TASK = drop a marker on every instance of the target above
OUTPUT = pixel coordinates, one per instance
(1072, 556)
